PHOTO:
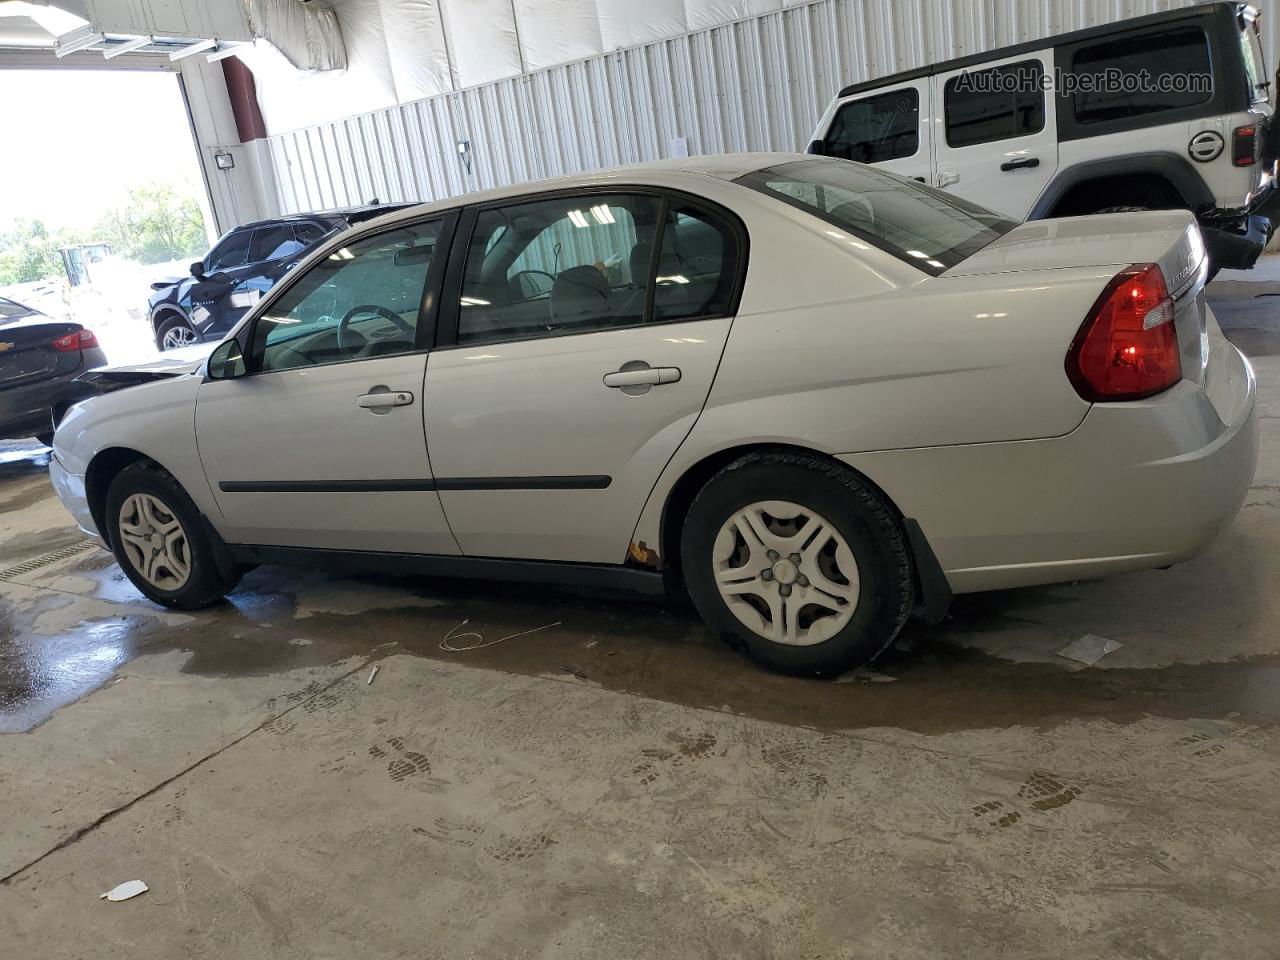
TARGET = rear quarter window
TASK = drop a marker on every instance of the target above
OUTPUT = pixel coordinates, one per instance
(1141, 74)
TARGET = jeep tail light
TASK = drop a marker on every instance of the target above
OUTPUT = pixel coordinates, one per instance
(78, 340)
(1244, 146)
(1127, 348)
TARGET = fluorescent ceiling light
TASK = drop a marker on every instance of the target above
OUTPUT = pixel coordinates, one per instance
(198, 47)
(226, 50)
(579, 219)
(117, 49)
(602, 213)
(82, 41)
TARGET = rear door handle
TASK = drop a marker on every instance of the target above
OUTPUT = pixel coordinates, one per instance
(1026, 163)
(645, 376)
(946, 178)
(380, 401)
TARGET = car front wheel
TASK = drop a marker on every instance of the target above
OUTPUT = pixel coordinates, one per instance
(175, 333)
(800, 562)
(159, 540)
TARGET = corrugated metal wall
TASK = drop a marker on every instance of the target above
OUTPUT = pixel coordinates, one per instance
(758, 84)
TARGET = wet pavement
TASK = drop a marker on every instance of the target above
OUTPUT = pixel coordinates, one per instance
(558, 773)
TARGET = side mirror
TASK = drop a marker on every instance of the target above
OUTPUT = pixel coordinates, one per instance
(226, 362)
(197, 269)
(818, 148)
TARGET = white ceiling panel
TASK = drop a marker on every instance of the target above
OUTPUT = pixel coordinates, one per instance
(558, 31)
(625, 23)
(478, 61)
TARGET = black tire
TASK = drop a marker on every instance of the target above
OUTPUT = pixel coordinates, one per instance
(45, 438)
(205, 584)
(171, 323)
(869, 526)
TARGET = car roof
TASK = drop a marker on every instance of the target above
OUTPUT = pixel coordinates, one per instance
(1045, 43)
(729, 166)
(364, 210)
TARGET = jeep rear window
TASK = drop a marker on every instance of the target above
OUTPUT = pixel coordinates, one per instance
(927, 228)
(876, 129)
(1142, 74)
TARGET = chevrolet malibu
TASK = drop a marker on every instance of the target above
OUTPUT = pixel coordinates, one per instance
(815, 395)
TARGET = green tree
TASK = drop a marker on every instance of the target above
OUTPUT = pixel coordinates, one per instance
(30, 251)
(157, 223)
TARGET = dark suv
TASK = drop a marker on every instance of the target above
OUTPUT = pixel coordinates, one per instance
(246, 263)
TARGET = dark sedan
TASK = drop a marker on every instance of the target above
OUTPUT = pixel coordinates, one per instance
(40, 357)
(242, 266)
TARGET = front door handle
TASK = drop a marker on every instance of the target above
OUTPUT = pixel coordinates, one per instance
(1026, 163)
(382, 399)
(946, 178)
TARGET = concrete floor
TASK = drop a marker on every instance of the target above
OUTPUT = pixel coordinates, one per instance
(617, 784)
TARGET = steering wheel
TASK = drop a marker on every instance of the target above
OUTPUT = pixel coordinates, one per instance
(346, 335)
(540, 273)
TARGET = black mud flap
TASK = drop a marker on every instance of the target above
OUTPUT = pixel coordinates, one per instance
(935, 591)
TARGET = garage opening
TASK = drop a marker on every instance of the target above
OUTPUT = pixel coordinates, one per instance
(101, 195)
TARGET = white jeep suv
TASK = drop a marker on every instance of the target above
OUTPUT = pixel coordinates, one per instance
(1169, 111)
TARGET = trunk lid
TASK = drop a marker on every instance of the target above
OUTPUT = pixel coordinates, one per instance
(26, 351)
(1111, 242)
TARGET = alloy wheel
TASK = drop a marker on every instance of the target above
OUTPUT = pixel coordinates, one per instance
(154, 541)
(179, 335)
(786, 573)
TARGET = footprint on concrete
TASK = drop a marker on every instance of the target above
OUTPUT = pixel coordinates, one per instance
(409, 765)
(507, 849)
(449, 831)
(406, 763)
(280, 725)
(994, 814)
(1046, 792)
(1201, 745)
(792, 762)
(322, 702)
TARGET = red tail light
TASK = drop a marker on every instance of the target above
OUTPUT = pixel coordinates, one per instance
(1127, 349)
(1244, 146)
(79, 340)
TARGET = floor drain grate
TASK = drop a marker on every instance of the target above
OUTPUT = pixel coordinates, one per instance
(31, 565)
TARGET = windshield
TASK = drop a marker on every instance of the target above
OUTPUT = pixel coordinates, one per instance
(10, 309)
(925, 227)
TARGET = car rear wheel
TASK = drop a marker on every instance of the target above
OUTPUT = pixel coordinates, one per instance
(159, 540)
(795, 559)
(175, 333)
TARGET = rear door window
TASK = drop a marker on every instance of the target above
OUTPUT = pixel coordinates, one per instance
(308, 233)
(983, 106)
(1141, 74)
(876, 129)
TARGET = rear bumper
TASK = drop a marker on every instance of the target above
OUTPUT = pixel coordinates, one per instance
(26, 411)
(1236, 244)
(1235, 239)
(1136, 485)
